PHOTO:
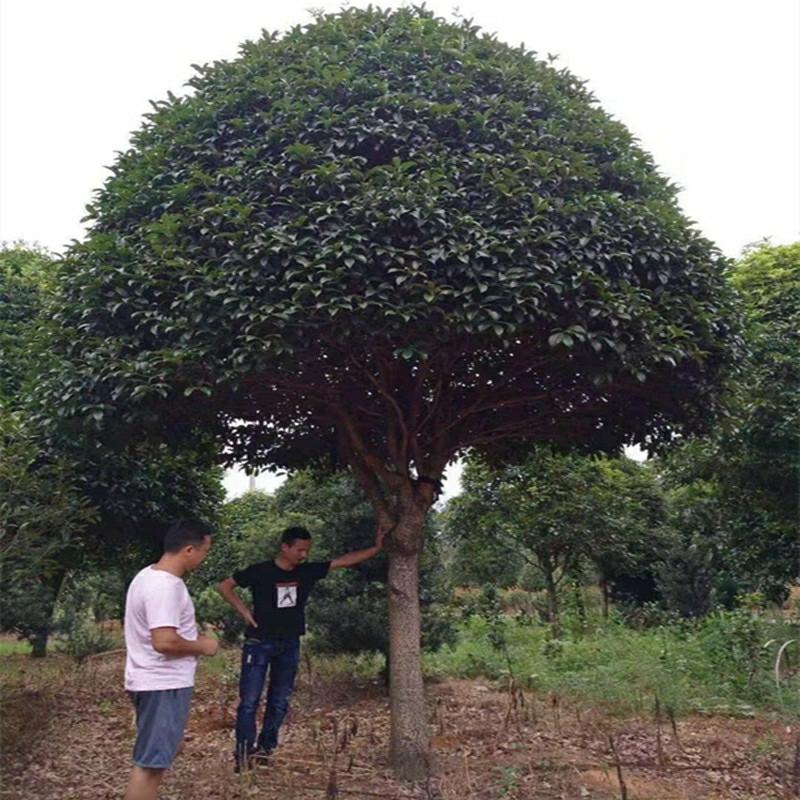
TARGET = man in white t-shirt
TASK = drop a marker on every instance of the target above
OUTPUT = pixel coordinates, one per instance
(162, 649)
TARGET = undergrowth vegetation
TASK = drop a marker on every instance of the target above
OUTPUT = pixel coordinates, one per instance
(724, 663)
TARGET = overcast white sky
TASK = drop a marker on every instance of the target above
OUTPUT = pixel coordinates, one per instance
(710, 87)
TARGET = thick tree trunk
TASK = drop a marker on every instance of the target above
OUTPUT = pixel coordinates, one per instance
(409, 750)
(401, 505)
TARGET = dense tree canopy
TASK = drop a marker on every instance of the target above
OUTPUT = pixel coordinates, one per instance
(385, 215)
(26, 274)
(767, 420)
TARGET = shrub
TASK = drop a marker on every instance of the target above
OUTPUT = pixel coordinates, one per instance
(85, 638)
(734, 643)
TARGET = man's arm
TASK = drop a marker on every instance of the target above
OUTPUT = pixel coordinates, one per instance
(225, 588)
(168, 642)
(357, 556)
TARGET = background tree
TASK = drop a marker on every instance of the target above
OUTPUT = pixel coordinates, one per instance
(540, 509)
(741, 484)
(383, 239)
(42, 513)
(27, 274)
(560, 512)
(473, 557)
(761, 468)
(694, 560)
(631, 529)
(67, 504)
(42, 518)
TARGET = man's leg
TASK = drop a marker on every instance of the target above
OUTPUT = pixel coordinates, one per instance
(255, 660)
(282, 671)
(161, 717)
(143, 783)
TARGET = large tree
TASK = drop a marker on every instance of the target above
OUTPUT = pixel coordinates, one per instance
(42, 512)
(382, 239)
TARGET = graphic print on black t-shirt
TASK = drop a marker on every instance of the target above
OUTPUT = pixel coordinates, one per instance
(279, 596)
(287, 595)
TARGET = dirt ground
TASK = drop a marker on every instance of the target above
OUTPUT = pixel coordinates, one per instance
(67, 732)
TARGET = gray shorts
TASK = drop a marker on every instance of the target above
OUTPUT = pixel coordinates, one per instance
(160, 722)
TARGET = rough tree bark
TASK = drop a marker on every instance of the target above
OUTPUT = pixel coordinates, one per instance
(409, 750)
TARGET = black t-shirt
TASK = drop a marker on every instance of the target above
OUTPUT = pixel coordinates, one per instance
(279, 596)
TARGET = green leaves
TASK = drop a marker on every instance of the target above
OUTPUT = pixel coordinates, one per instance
(202, 389)
(735, 492)
(365, 196)
(560, 338)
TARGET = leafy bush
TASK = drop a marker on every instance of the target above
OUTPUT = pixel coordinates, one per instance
(522, 602)
(85, 638)
(646, 615)
(734, 643)
(99, 593)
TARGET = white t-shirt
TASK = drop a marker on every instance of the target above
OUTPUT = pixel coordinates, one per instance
(157, 599)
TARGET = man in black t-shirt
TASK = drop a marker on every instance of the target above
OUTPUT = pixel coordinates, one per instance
(279, 590)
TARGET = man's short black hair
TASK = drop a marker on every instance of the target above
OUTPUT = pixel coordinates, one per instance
(185, 532)
(291, 535)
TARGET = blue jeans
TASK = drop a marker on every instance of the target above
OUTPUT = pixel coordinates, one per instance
(280, 658)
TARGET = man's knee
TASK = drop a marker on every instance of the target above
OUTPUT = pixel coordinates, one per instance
(280, 701)
(247, 706)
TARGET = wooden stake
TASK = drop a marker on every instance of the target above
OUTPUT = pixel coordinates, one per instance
(659, 746)
(556, 714)
(674, 725)
(623, 789)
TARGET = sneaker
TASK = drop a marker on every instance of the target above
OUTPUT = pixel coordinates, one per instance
(260, 757)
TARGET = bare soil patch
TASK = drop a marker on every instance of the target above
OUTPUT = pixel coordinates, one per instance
(68, 732)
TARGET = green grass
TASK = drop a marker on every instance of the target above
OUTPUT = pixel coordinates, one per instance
(12, 647)
(717, 665)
